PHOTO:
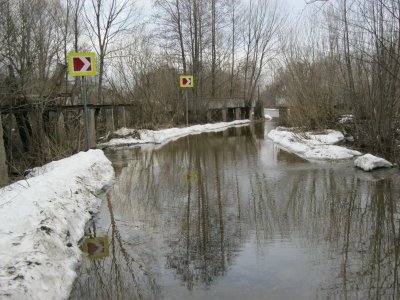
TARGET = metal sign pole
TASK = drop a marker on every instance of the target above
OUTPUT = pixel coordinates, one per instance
(85, 110)
(187, 107)
(185, 82)
(83, 64)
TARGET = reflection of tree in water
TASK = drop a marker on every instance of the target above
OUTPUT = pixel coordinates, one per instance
(208, 227)
(119, 276)
(370, 243)
(151, 192)
(210, 217)
(353, 223)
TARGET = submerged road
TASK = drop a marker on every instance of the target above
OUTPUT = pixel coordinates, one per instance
(228, 215)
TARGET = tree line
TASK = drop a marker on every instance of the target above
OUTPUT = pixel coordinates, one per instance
(341, 57)
(225, 44)
(346, 59)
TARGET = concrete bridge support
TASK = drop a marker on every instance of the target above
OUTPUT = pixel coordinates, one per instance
(209, 116)
(109, 116)
(56, 126)
(3, 159)
(224, 114)
(238, 113)
(119, 116)
(251, 114)
(60, 131)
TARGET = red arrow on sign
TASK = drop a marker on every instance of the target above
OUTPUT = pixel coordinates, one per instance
(186, 81)
(82, 64)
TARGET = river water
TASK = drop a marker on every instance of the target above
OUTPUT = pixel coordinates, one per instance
(228, 215)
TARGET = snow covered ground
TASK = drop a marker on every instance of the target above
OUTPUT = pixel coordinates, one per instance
(42, 218)
(165, 135)
(310, 146)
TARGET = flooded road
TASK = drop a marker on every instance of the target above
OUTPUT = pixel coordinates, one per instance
(228, 215)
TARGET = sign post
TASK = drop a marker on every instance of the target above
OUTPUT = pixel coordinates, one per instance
(83, 64)
(185, 82)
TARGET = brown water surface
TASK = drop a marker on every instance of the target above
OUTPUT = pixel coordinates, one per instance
(228, 215)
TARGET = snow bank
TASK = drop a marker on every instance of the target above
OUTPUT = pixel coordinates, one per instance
(369, 162)
(42, 219)
(312, 146)
(166, 135)
(268, 117)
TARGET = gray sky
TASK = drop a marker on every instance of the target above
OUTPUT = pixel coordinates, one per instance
(293, 6)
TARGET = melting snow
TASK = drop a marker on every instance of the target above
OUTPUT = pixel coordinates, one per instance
(369, 162)
(42, 219)
(312, 146)
(166, 135)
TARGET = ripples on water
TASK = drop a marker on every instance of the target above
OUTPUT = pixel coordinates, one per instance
(229, 216)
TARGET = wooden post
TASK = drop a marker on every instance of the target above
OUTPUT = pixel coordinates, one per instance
(121, 117)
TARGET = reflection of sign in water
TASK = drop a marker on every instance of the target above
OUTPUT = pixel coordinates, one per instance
(190, 176)
(96, 247)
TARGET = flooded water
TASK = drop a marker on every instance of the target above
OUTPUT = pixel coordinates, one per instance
(230, 216)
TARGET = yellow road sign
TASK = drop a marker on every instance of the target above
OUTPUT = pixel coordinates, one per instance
(82, 64)
(186, 81)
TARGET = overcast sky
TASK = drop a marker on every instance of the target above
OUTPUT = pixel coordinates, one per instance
(293, 6)
(296, 5)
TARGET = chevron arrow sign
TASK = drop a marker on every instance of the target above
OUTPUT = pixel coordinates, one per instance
(186, 81)
(82, 64)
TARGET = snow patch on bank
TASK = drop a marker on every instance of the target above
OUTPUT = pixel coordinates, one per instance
(42, 219)
(165, 135)
(369, 162)
(311, 146)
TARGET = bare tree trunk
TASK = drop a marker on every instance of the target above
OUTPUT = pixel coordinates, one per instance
(233, 20)
(213, 47)
(180, 34)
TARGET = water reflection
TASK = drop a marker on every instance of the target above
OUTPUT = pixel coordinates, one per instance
(242, 226)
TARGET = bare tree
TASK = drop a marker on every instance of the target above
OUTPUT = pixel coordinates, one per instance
(233, 7)
(107, 21)
(213, 46)
(263, 22)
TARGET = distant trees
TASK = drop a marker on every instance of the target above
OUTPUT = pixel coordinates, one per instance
(225, 44)
(225, 47)
(350, 64)
(31, 43)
